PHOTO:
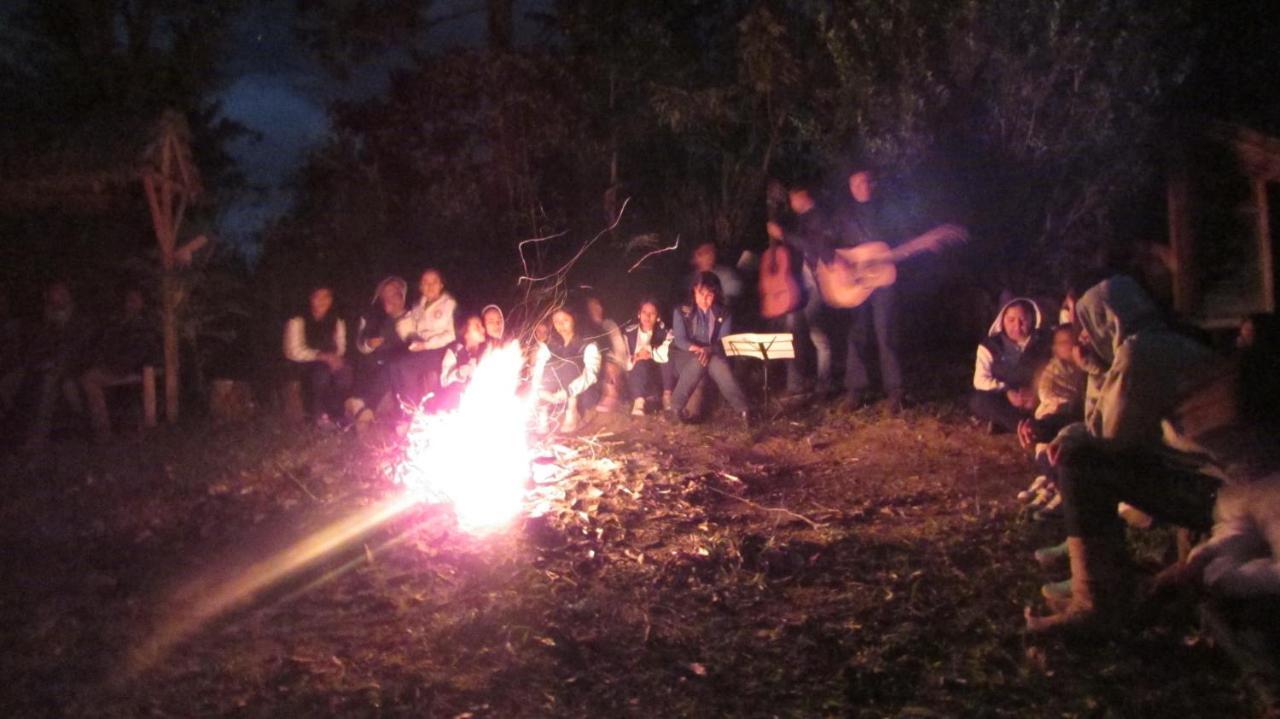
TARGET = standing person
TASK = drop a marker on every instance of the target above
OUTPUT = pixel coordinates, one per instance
(863, 220)
(378, 345)
(649, 374)
(129, 342)
(51, 358)
(1006, 364)
(426, 330)
(613, 354)
(697, 351)
(705, 259)
(810, 233)
(572, 365)
(315, 343)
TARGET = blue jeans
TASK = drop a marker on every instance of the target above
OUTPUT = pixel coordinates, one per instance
(689, 373)
(648, 379)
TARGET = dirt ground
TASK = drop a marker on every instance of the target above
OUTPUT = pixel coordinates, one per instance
(821, 564)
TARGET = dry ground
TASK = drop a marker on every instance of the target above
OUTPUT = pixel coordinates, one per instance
(824, 564)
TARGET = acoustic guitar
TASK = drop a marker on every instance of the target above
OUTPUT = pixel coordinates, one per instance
(855, 272)
(779, 291)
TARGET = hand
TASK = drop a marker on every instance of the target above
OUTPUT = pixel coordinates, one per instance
(375, 343)
(1022, 398)
(417, 346)
(643, 354)
(1026, 437)
(465, 371)
(334, 361)
(1053, 452)
(774, 230)
(702, 353)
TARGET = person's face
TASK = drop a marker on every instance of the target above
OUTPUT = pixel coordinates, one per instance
(801, 201)
(595, 310)
(321, 302)
(862, 186)
(1063, 343)
(1017, 325)
(563, 324)
(541, 332)
(474, 332)
(648, 316)
(431, 285)
(133, 303)
(494, 325)
(704, 297)
(392, 300)
(704, 257)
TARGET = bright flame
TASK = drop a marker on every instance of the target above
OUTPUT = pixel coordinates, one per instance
(475, 458)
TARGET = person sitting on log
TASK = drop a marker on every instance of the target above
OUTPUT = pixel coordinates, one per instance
(697, 351)
(1060, 402)
(378, 345)
(1007, 360)
(426, 330)
(613, 351)
(128, 343)
(572, 364)
(315, 343)
(647, 347)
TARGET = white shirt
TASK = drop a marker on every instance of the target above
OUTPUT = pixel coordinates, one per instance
(644, 339)
(295, 340)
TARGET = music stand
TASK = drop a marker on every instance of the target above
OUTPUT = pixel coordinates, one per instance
(765, 347)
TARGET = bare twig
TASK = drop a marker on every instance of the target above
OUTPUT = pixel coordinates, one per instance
(788, 512)
(573, 260)
(654, 252)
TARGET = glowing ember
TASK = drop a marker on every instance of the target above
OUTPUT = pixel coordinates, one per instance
(475, 458)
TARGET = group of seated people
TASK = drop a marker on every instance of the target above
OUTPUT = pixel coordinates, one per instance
(63, 358)
(413, 356)
(1133, 421)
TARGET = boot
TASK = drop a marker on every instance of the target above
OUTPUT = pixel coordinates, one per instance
(1099, 589)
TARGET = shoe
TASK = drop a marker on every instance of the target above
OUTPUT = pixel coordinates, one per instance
(1052, 510)
(1052, 558)
(685, 417)
(1134, 517)
(637, 407)
(1042, 496)
(1029, 493)
(666, 400)
(746, 419)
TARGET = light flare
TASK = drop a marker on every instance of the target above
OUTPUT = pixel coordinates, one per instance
(475, 458)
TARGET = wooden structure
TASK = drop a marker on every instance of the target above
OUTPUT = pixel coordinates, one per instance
(103, 163)
(1223, 198)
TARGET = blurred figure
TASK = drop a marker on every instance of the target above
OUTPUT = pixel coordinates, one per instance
(315, 343)
(426, 331)
(459, 364)
(378, 345)
(129, 342)
(705, 259)
(613, 355)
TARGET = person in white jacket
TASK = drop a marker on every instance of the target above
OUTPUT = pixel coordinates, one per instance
(427, 330)
(647, 346)
(315, 343)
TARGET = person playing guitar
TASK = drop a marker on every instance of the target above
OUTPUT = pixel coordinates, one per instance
(782, 292)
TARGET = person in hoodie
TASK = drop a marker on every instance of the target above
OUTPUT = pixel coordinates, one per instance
(1004, 372)
(426, 330)
(459, 365)
(1127, 448)
(378, 345)
(647, 345)
(569, 373)
(495, 324)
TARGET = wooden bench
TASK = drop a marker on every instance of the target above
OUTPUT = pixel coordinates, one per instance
(147, 379)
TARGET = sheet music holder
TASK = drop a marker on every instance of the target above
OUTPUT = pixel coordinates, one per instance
(766, 346)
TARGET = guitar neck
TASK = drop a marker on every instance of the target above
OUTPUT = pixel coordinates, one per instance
(931, 241)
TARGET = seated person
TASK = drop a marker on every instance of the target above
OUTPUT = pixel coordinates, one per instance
(1060, 394)
(315, 343)
(697, 350)
(613, 354)
(128, 343)
(51, 356)
(572, 364)
(1007, 361)
(426, 330)
(378, 344)
(459, 364)
(649, 374)
(495, 324)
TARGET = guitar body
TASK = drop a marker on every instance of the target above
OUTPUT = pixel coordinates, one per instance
(855, 272)
(779, 291)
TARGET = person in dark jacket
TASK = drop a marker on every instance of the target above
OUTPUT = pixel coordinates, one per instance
(128, 343)
(811, 233)
(572, 366)
(315, 343)
(378, 344)
(1007, 361)
(697, 350)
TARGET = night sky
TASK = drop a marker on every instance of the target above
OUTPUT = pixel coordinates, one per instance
(277, 90)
